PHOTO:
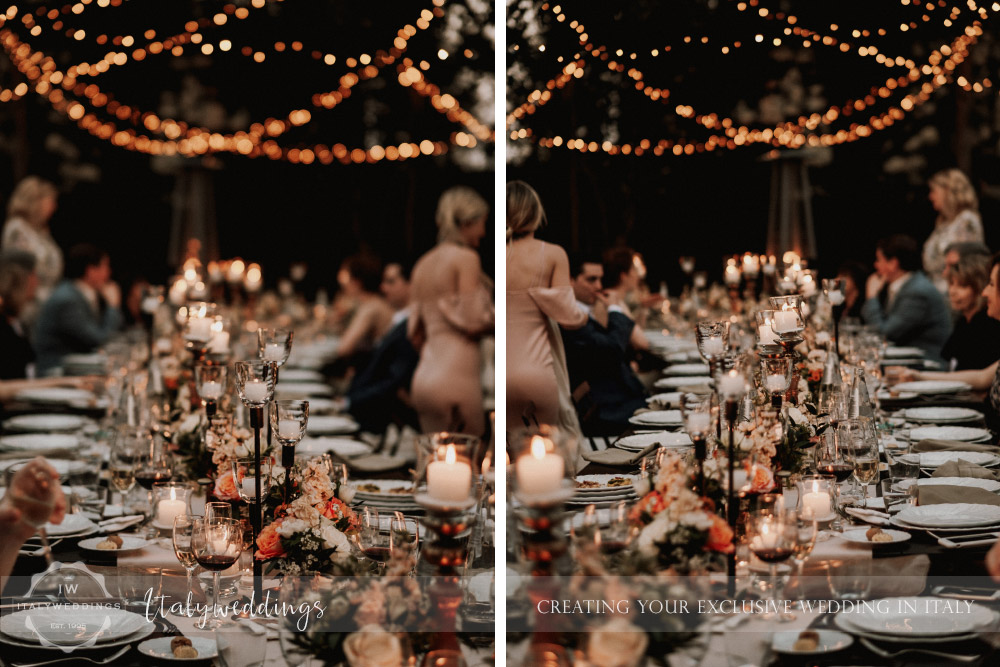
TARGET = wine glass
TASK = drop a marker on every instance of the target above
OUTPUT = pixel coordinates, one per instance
(830, 460)
(218, 509)
(217, 544)
(122, 469)
(862, 452)
(297, 595)
(183, 527)
(404, 537)
(772, 538)
(274, 345)
(805, 539)
(154, 465)
(31, 491)
(374, 543)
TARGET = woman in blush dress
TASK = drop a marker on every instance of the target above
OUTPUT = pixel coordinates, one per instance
(27, 228)
(539, 298)
(953, 197)
(450, 310)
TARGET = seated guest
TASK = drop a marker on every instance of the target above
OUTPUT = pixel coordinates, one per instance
(372, 316)
(621, 277)
(83, 311)
(982, 379)
(379, 392)
(902, 302)
(854, 274)
(957, 251)
(975, 340)
(18, 282)
(605, 389)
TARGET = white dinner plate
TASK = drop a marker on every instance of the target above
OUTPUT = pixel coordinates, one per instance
(129, 543)
(933, 387)
(686, 369)
(318, 406)
(859, 537)
(602, 481)
(969, 482)
(62, 395)
(45, 423)
(932, 460)
(38, 443)
(943, 414)
(331, 425)
(829, 641)
(640, 441)
(302, 390)
(71, 625)
(921, 616)
(950, 515)
(159, 648)
(385, 486)
(902, 639)
(71, 524)
(342, 447)
(884, 395)
(291, 375)
(671, 399)
(657, 418)
(903, 352)
(959, 433)
(62, 467)
(682, 381)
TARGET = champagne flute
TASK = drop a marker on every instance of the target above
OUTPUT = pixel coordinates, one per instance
(122, 469)
(772, 538)
(863, 454)
(217, 544)
(183, 528)
(807, 530)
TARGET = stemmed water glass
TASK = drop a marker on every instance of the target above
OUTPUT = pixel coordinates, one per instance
(772, 538)
(217, 544)
(184, 525)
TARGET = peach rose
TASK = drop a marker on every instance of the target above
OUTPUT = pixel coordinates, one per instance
(720, 536)
(651, 504)
(269, 542)
(225, 487)
(763, 480)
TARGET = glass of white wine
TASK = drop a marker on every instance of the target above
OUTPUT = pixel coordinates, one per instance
(122, 469)
(862, 451)
(183, 527)
(30, 490)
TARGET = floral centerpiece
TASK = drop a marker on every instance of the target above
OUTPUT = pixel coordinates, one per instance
(308, 533)
(678, 529)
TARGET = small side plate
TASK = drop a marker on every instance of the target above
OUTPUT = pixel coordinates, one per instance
(829, 641)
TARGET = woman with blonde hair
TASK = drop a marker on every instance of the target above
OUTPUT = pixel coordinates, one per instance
(27, 228)
(953, 197)
(975, 338)
(450, 310)
(539, 299)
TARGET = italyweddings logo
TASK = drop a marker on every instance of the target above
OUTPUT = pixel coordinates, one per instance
(301, 614)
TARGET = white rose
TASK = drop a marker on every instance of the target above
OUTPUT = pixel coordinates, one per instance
(334, 539)
(289, 527)
(653, 532)
(372, 646)
(696, 519)
(190, 423)
(797, 416)
(822, 338)
(617, 643)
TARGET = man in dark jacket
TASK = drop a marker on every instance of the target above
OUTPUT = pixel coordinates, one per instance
(605, 389)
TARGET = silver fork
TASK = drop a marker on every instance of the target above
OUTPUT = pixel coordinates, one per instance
(879, 651)
(114, 656)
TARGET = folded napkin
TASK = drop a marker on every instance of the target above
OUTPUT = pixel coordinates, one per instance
(936, 495)
(377, 462)
(619, 457)
(869, 516)
(962, 468)
(933, 445)
(49, 454)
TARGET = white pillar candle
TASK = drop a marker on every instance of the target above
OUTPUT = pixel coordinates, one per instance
(211, 390)
(289, 429)
(767, 538)
(713, 346)
(274, 352)
(199, 329)
(255, 391)
(816, 504)
(699, 422)
(731, 385)
(785, 321)
(167, 509)
(732, 275)
(766, 334)
(822, 338)
(836, 297)
(539, 472)
(449, 480)
(249, 486)
(775, 383)
(219, 343)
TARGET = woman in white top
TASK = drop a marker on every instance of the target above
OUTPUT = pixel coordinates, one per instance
(27, 228)
(954, 199)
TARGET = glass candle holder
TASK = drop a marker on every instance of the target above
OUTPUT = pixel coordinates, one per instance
(448, 471)
(817, 497)
(787, 317)
(834, 289)
(255, 382)
(245, 475)
(713, 340)
(199, 317)
(274, 345)
(543, 468)
(210, 381)
(219, 342)
(765, 334)
(776, 376)
(696, 409)
(289, 420)
(170, 500)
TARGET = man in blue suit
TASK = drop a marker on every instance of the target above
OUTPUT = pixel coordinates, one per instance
(379, 393)
(605, 389)
(83, 311)
(902, 302)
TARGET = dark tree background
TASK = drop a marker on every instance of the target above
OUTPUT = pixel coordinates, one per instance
(271, 212)
(717, 202)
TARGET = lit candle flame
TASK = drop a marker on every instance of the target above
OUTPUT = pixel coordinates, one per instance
(173, 494)
(538, 447)
(449, 455)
